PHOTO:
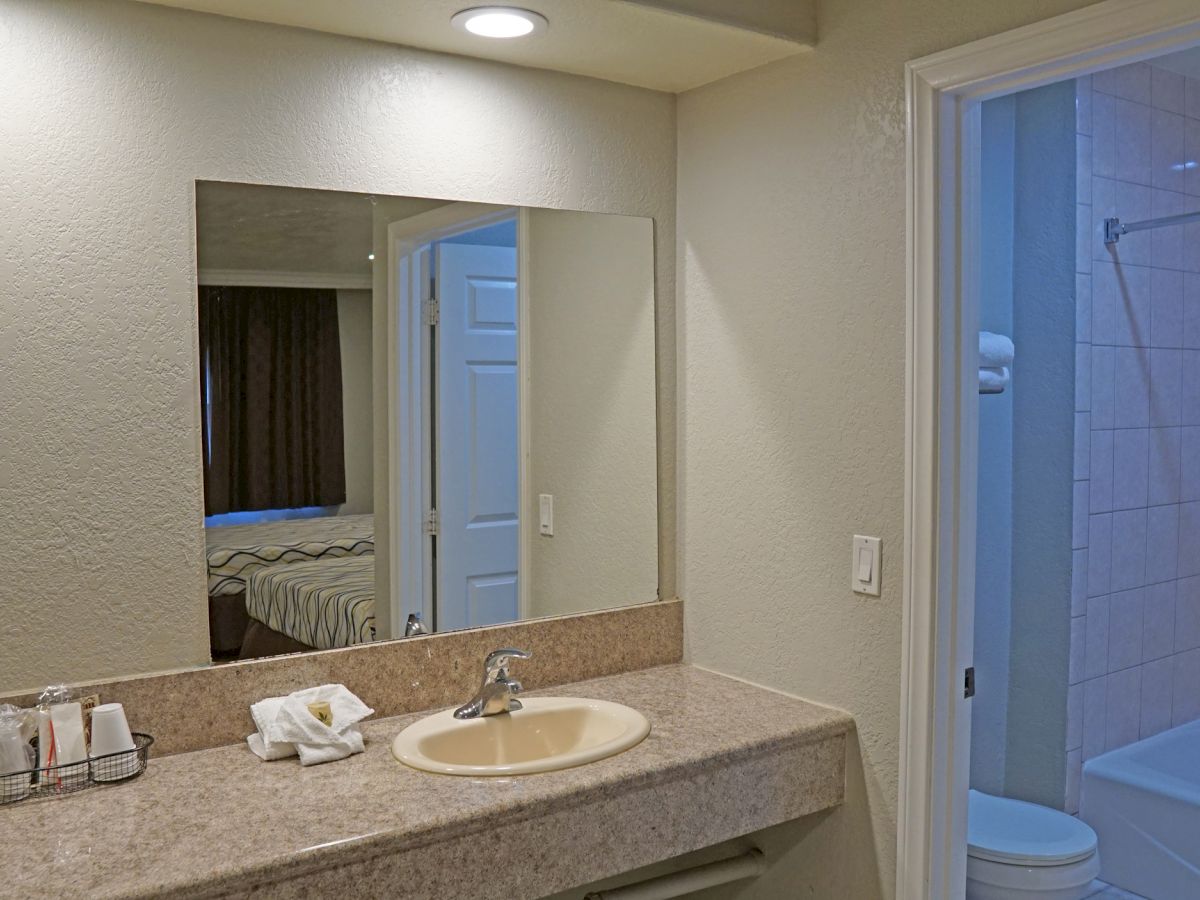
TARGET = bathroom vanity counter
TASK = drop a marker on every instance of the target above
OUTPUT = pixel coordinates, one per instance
(723, 759)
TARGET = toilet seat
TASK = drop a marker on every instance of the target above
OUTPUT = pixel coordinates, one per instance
(1016, 833)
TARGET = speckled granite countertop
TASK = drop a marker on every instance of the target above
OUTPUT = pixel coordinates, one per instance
(213, 822)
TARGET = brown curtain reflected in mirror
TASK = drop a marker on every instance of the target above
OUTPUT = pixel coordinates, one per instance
(271, 396)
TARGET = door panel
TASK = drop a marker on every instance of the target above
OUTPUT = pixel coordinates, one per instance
(477, 436)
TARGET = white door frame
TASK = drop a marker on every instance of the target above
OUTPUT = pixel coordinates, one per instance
(944, 92)
(409, 571)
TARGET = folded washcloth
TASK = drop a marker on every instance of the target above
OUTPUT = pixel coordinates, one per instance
(993, 380)
(995, 350)
(286, 727)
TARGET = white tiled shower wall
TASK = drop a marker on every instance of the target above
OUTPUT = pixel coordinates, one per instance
(1135, 600)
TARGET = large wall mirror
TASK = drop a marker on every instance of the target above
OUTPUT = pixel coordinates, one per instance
(418, 415)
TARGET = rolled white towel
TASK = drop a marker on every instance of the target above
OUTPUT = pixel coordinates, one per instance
(993, 380)
(286, 727)
(995, 350)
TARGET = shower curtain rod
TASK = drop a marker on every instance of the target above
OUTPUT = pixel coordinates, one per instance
(1113, 228)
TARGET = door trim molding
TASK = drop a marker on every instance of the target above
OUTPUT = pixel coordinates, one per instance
(944, 91)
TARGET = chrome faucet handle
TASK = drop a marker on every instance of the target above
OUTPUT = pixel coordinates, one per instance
(496, 664)
(496, 692)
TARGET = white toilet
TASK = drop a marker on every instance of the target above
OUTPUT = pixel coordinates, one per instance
(1021, 850)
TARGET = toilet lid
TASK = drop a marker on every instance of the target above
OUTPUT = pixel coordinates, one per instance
(1015, 832)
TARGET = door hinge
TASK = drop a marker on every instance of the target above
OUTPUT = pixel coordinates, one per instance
(431, 522)
(969, 682)
(433, 311)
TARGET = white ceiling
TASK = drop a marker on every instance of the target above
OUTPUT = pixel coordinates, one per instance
(253, 227)
(615, 40)
(1185, 62)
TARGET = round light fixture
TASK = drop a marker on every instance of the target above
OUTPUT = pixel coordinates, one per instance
(499, 22)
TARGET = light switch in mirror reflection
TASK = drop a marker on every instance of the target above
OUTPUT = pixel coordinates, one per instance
(390, 385)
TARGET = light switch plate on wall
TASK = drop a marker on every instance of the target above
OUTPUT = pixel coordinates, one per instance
(864, 565)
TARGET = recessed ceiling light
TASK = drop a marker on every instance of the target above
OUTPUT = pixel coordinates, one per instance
(499, 21)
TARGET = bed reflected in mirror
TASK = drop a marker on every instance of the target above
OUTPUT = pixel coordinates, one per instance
(419, 415)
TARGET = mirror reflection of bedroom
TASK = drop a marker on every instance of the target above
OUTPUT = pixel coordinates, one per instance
(505, 465)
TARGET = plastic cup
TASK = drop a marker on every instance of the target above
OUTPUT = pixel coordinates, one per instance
(110, 734)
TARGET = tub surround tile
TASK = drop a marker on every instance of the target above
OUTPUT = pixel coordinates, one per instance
(1083, 459)
(1131, 458)
(1078, 652)
(1189, 470)
(1103, 453)
(1132, 388)
(1167, 90)
(1074, 767)
(1189, 539)
(1191, 146)
(1190, 385)
(1095, 702)
(1103, 387)
(1166, 150)
(222, 823)
(1123, 716)
(1185, 687)
(1187, 614)
(1191, 97)
(210, 707)
(1079, 567)
(1166, 244)
(1131, 82)
(1074, 717)
(1083, 105)
(1128, 549)
(1191, 311)
(1166, 387)
(1166, 307)
(1080, 502)
(1125, 629)
(1158, 622)
(1162, 543)
(1134, 658)
(1095, 659)
(1083, 306)
(1156, 697)
(1164, 466)
(1099, 554)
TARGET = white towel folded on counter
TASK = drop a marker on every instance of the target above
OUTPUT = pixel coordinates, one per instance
(286, 726)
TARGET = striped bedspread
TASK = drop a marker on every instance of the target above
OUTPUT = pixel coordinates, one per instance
(235, 551)
(325, 603)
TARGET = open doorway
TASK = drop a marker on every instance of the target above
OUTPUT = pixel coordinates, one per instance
(945, 479)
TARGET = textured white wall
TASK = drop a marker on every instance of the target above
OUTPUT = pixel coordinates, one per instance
(791, 342)
(108, 113)
(591, 336)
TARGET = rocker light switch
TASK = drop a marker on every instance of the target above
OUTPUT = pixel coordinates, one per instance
(546, 514)
(864, 565)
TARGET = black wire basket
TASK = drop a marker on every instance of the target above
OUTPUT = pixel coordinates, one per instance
(57, 781)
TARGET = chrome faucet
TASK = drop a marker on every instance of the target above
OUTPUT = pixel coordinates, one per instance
(414, 626)
(496, 692)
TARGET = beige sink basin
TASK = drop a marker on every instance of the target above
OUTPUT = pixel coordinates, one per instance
(549, 733)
